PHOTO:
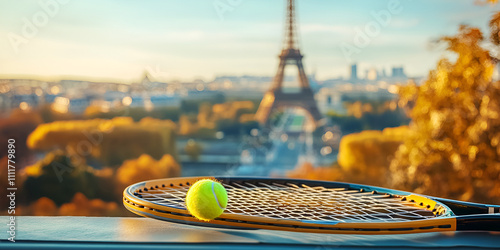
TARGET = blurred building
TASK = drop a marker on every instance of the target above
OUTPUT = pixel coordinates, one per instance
(330, 99)
(71, 104)
(354, 72)
(204, 94)
(165, 101)
(398, 72)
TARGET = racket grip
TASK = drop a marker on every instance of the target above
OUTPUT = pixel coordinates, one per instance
(490, 222)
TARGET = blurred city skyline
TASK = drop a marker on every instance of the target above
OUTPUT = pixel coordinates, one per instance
(186, 40)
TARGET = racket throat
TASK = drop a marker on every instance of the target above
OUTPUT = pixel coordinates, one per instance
(480, 222)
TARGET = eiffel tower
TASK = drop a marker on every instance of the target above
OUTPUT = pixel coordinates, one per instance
(275, 98)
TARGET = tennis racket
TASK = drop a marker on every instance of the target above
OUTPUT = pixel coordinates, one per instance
(313, 206)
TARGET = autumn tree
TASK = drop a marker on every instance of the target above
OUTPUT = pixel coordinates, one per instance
(145, 168)
(58, 178)
(454, 150)
(365, 157)
(109, 141)
(18, 126)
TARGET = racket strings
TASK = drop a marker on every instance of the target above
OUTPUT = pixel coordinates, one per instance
(306, 203)
(291, 201)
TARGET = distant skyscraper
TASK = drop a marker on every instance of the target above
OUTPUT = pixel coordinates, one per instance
(398, 72)
(354, 72)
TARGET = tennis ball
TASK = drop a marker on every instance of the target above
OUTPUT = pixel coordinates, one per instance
(206, 199)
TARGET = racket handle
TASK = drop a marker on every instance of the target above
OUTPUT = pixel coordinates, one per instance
(466, 208)
(483, 222)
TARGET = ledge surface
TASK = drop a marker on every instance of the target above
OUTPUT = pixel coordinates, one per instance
(124, 232)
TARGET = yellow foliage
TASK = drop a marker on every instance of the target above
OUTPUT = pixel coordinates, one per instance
(79, 206)
(33, 170)
(186, 127)
(230, 110)
(308, 171)
(92, 110)
(18, 115)
(454, 151)
(44, 207)
(82, 206)
(365, 157)
(219, 108)
(110, 141)
(105, 173)
(357, 109)
(209, 118)
(61, 133)
(480, 2)
(146, 168)
(244, 118)
(204, 117)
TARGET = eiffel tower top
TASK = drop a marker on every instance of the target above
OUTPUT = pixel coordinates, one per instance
(275, 97)
(291, 40)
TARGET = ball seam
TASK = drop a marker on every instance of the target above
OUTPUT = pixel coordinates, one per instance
(215, 196)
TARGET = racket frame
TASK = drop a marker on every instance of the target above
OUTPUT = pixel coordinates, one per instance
(448, 221)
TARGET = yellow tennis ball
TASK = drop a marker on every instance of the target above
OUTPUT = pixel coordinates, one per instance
(206, 199)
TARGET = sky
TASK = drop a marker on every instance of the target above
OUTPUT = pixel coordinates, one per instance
(118, 40)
